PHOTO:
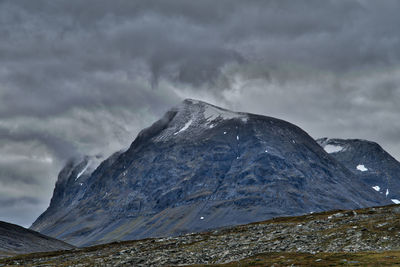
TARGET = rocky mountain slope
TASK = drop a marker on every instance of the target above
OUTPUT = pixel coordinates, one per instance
(366, 237)
(369, 162)
(15, 239)
(200, 167)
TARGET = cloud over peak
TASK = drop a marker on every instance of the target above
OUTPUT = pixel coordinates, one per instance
(83, 77)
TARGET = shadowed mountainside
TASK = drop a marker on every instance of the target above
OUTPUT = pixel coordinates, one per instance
(15, 239)
(200, 167)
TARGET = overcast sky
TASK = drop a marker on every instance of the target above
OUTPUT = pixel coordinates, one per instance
(83, 77)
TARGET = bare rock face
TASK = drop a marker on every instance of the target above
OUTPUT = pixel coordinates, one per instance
(369, 162)
(201, 167)
(15, 239)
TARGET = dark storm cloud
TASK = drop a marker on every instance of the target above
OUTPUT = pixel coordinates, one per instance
(83, 77)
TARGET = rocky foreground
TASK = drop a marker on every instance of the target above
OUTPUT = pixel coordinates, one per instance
(336, 237)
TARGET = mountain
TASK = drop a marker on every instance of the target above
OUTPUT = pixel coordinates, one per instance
(200, 167)
(71, 186)
(15, 239)
(369, 162)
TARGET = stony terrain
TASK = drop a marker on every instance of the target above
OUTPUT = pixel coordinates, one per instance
(15, 239)
(198, 168)
(361, 237)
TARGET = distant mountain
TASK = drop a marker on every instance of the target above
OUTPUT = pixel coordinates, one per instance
(197, 168)
(369, 162)
(15, 239)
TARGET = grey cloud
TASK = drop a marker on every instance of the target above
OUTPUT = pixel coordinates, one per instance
(59, 147)
(20, 210)
(18, 201)
(14, 174)
(190, 43)
(83, 77)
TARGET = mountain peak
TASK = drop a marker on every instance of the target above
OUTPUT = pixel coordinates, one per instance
(209, 111)
(194, 117)
(192, 101)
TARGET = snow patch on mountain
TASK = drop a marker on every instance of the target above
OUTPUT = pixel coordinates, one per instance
(376, 188)
(332, 145)
(187, 124)
(333, 148)
(361, 168)
(395, 201)
(82, 171)
(212, 113)
(193, 117)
